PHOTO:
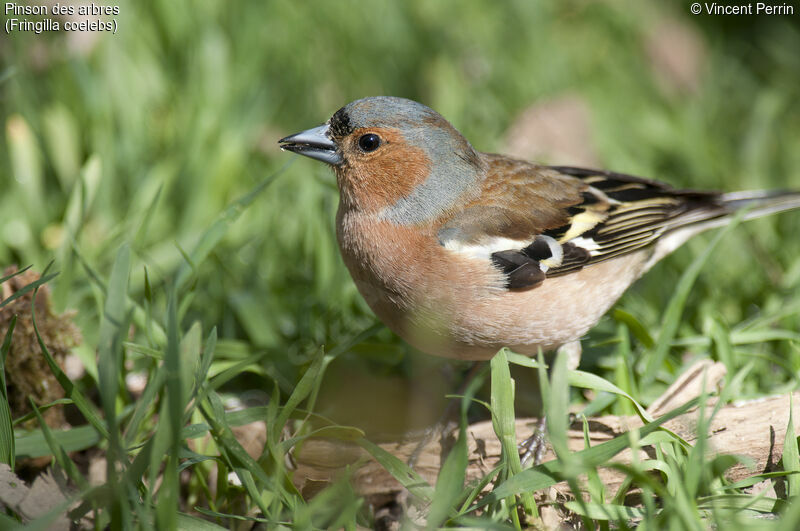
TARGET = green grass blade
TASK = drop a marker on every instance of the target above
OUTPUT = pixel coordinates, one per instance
(672, 315)
(242, 518)
(78, 205)
(15, 273)
(167, 506)
(144, 405)
(556, 404)
(211, 237)
(549, 473)
(248, 415)
(190, 352)
(759, 504)
(404, 474)
(585, 380)
(588, 380)
(86, 407)
(502, 404)
(151, 455)
(723, 346)
(790, 520)
(189, 459)
(109, 350)
(187, 522)
(303, 389)
(339, 349)
(450, 483)
(635, 326)
(758, 478)
(58, 451)
(24, 155)
(140, 316)
(594, 486)
(109, 366)
(791, 457)
(237, 457)
(206, 358)
(6, 522)
(477, 489)
(343, 433)
(144, 224)
(504, 422)
(42, 408)
(322, 511)
(34, 444)
(29, 287)
(605, 511)
(623, 374)
(7, 450)
(230, 372)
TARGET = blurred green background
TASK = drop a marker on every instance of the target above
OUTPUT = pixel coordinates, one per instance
(146, 136)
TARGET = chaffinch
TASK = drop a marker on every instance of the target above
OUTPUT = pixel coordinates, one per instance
(461, 252)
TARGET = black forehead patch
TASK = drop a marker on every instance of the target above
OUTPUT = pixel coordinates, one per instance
(341, 125)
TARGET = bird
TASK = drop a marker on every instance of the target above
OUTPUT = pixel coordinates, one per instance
(462, 253)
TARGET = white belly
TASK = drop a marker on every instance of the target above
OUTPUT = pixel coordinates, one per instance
(473, 322)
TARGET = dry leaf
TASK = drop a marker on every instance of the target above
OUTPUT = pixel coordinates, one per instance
(30, 503)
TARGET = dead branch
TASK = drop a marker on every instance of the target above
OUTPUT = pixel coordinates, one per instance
(754, 429)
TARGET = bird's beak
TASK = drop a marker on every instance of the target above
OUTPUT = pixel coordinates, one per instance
(313, 143)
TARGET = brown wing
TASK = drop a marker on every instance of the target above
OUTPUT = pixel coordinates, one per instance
(518, 200)
(640, 212)
(535, 222)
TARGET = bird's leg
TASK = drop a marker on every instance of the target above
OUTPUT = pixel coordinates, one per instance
(535, 445)
(449, 415)
(573, 352)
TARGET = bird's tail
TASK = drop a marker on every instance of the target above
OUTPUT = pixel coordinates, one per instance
(758, 203)
(761, 202)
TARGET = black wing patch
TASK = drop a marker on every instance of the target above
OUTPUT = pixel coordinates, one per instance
(538, 250)
(522, 271)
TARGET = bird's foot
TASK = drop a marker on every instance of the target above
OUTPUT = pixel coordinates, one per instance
(534, 446)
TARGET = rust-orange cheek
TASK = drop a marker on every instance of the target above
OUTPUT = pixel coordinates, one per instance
(376, 180)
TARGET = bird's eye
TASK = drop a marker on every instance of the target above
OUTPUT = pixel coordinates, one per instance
(369, 142)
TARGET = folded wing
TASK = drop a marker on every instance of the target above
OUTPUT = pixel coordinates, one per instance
(535, 222)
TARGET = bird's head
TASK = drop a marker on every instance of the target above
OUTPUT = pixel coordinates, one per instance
(393, 156)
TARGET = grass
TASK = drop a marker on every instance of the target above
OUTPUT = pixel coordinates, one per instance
(195, 254)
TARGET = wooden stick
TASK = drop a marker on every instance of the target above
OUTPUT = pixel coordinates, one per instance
(754, 429)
